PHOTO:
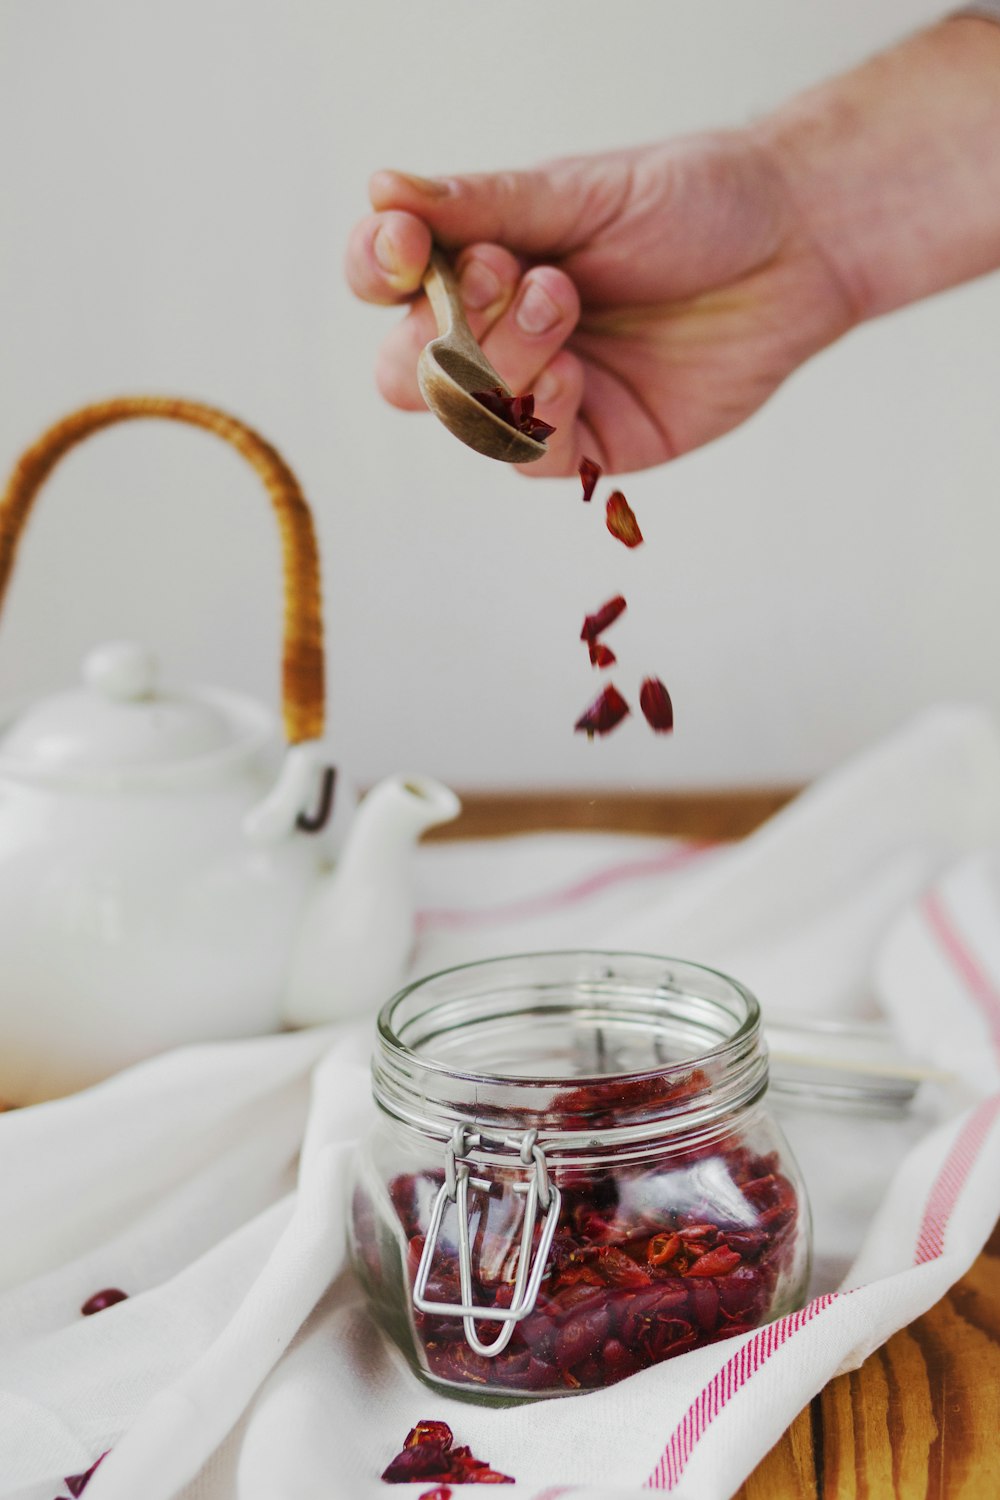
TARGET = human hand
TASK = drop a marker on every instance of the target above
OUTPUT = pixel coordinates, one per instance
(651, 298)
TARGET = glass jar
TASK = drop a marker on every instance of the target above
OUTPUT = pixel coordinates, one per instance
(573, 1175)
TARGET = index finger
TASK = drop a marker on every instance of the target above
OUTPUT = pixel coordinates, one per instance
(387, 254)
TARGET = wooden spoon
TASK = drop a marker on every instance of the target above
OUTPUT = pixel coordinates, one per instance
(453, 365)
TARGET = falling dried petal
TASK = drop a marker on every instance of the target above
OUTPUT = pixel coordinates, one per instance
(654, 700)
(622, 522)
(100, 1300)
(517, 411)
(77, 1483)
(595, 624)
(604, 713)
(601, 655)
(590, 472)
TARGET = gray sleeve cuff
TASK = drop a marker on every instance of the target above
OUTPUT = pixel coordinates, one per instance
(985, 10)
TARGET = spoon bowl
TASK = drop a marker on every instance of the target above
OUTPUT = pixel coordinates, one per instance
(453, 366)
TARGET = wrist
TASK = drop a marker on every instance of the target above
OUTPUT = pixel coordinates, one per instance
(893, 169)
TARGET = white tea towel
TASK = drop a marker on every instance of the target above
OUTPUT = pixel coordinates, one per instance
(244, 1365)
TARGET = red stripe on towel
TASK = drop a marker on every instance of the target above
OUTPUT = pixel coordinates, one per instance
(580, 890)
(952, 1179)
(977, 981)
(734, 1374)
(747, 1360)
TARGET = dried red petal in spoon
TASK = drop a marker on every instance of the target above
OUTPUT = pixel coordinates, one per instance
(622, 522)
(100, 1300)
(595, 625)
(654, 700)
(497, 401)
(590, 472)
(601, 655)
(604, 713)
(516, 411)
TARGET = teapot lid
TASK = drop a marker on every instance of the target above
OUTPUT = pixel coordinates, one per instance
(120, 722)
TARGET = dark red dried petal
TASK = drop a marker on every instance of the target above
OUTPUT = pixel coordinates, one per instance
(463, 1462)
(590, 472)
(440, 1492)
(77, 1483)
(539, 431)
(100, 1300)
(522, 409)
(705, 1305)
(604, 713)
(428, 1454)
(425, 1461)
(654, 700)
(619, 1269)
(717, 1262)
(596, 624)
(619, 1361)
(497, 401)
(517, 411)
(662, 1248)
(601, 655)
(621, 521)
(582, 1335)
(427, 1431)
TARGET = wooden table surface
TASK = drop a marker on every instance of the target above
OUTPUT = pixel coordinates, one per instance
(920, 1420)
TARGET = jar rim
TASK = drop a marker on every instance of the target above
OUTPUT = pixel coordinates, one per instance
(748, 1027)
(411, 1083)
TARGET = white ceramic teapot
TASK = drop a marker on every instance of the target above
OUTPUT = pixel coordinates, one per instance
(164, 874)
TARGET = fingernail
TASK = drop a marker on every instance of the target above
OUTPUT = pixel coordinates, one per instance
(536, 311)
(430, 187)
(546, 388)
(385, 252)
(480, 285)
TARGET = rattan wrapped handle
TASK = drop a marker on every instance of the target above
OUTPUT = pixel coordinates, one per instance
(302, 657)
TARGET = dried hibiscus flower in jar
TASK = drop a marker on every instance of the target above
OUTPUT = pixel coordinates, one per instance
(598, 1222)
(643, 1266)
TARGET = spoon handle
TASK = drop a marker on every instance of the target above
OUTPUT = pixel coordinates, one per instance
(441, 287)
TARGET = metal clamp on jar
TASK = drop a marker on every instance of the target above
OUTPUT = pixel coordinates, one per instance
(573, 1149)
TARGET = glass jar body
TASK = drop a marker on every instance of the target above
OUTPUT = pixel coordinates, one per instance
(668, 1212)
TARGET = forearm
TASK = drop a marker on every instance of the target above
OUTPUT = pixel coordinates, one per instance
(894, 168)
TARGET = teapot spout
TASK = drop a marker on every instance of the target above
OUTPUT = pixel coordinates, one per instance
(355, 937)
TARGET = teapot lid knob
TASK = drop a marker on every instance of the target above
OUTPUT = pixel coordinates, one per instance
(121, 670)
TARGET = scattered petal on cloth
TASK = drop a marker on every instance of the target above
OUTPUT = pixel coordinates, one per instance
(211, 1182)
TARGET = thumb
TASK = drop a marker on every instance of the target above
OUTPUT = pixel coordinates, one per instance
(544, 211)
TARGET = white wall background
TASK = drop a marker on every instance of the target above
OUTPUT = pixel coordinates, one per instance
(176, 186)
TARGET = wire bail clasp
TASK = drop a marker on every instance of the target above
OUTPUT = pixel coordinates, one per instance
(538, 1191)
